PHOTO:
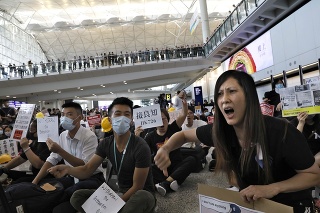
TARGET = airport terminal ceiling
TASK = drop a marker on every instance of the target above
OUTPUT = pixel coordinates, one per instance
(65, 29)
(75, 28)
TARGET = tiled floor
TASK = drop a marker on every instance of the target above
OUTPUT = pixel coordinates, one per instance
(186, 199)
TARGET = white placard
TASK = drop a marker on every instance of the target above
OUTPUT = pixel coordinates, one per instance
(213, 205)
(147, 117)
(104, 199)
(48, 127)
(9, 146)
(21, 125)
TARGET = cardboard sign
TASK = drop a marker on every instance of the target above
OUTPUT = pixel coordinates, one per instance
(21, 125)
(213, 199)
(104, 199)
(147, 117)
(94, 120)
(10, 147)
(48, 127)
(267, 109)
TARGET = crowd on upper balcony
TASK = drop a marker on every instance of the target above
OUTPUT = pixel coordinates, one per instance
(100, 60)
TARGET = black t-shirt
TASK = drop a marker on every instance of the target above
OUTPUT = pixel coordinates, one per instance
(204, 134)
(41, 150)
(286, 155)
(311, 133)
(156, 141)
(274, 99)
(137, 155)
(4, 111)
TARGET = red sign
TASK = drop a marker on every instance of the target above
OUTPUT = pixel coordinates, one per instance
(17, 134)
(210, 119)
(93, 120)
(267, 109)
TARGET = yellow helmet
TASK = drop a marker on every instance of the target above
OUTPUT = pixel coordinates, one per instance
(5, 158)
(171, 109)
(39, 115)
(105, 125)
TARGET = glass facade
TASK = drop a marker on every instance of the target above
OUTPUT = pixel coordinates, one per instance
(17, 46)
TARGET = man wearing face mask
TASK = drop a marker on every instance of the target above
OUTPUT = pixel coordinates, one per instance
(76, 146)
(130, 158)
(36, 153)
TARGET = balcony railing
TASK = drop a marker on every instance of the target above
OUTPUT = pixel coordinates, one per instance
(230, 24)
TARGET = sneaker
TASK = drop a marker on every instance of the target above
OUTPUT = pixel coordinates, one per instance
(212, 165)
(163, 187)
(174, 185)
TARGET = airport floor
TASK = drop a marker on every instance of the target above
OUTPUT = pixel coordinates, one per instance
(186, 199)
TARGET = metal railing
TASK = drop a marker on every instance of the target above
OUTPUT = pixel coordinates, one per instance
(64, 66)
(236, 17)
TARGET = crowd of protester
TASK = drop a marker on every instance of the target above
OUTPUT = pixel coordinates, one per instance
(160, 159)
(99, 60)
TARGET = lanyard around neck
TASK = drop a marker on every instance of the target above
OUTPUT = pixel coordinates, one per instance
(123, 153)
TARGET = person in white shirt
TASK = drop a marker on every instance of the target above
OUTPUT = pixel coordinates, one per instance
(177, 99)
(76, 146)
(191, 124)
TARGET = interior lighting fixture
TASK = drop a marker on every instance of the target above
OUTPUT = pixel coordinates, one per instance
(81, 89)
(14, 97)
(8, 96)
(55, 90)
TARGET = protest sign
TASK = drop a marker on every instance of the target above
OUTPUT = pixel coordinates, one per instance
(104, 199)
(214, 200)
(9, 146)
(48, 127)
(94, 120)
(21, 125)
(147, 117)
(301, 98)
(267, 109)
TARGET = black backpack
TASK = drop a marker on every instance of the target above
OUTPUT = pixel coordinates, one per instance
(27, 197)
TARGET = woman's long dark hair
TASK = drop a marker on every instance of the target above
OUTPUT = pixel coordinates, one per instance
(254, 128)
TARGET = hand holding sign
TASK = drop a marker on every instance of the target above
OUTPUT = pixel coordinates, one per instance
(47, 127)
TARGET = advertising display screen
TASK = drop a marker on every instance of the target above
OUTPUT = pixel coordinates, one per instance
(254, 57)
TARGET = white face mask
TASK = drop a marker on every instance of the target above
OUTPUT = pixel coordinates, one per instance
(1, 132)
(67, 123)
(121, 124)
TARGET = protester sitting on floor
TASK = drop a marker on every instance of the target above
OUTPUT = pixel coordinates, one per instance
(76, 146)
(130, 157)
(179, 169)
(36, 153)
(309, 125)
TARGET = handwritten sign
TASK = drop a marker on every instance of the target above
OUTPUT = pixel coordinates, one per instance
(210, 119)
(197, 110)
(147, 117)
(10, 147)
(21, 125)
(104, 199)
(48, 127)
(94, 120)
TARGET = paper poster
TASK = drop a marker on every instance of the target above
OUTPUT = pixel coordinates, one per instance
(197, 110)
(85, 124)
(21, 125)
(147, 117)
(104, 199)
(48, 127)
(94, 120)
(267, 109)
(301, 98)
(9, 146)
(213, 200)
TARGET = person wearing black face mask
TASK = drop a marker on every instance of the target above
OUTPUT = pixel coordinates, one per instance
(33, 151)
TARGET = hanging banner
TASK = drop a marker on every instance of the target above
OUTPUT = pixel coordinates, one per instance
(194, 21)
(198, 99)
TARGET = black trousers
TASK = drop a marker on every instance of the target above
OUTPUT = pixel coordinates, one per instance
(179, 171)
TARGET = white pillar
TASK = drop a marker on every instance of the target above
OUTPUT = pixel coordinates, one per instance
(204, 20)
